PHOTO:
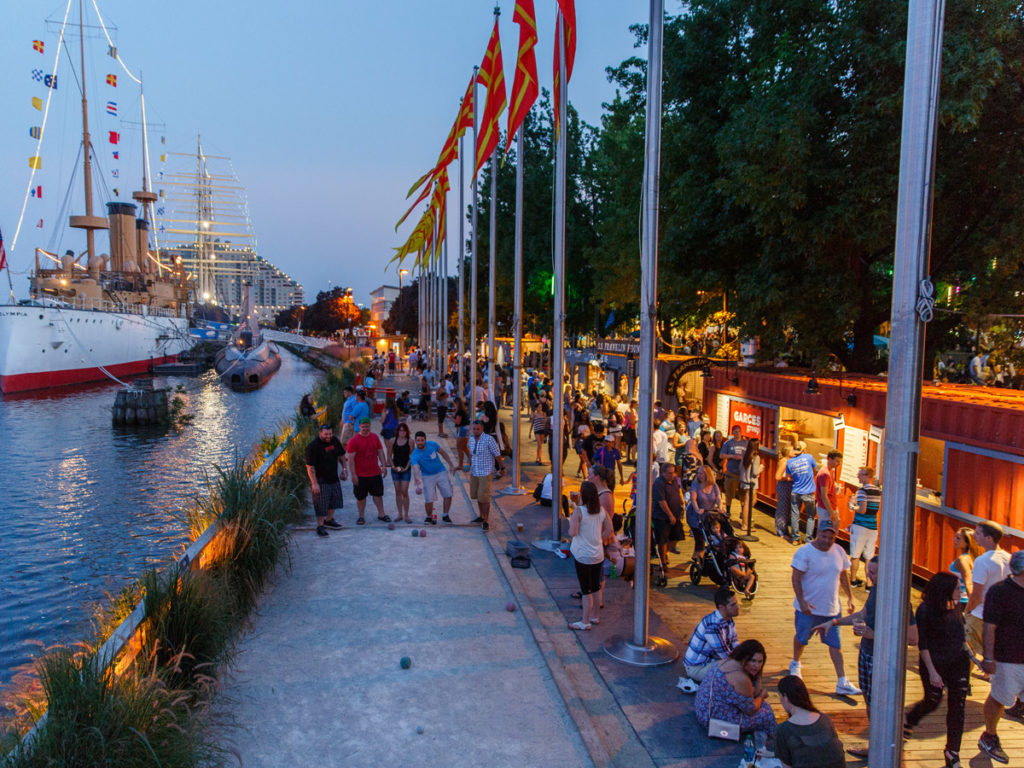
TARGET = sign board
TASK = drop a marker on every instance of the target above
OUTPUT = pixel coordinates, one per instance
(838, 422)
(748, 417)
(617, 346)
(855, 455)
(875, 434)
(722, 414)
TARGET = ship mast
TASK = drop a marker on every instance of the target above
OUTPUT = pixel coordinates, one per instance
(88, 222)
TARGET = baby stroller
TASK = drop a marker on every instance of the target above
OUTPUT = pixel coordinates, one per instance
(719, 563)
(659, 568)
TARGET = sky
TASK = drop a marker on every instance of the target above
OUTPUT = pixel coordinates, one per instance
(328, 110)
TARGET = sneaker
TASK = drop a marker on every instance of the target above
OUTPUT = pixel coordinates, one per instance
(845, 688)
(321, 531)
(794, 669)
(989, 743)
(427, 520)
(857, 582)
(446, 519)
(477, 519)
(485, 526)
(333, 524)
(433, 520)
(860, 753)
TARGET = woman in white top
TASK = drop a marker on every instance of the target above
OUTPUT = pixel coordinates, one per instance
(589, 527)
(750, 469)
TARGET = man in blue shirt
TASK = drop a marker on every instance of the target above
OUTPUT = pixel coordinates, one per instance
(732, 454)
(347, 425)
(360, 408)
(712, 640)
(431, 477)
(802, 468)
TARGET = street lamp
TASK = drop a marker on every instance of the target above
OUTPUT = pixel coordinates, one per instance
(401, 273)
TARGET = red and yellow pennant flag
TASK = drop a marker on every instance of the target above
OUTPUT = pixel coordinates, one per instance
(524, 87)
(568, 10)
(450, 150)
(112, 80)
(38, 45)
(492, 77)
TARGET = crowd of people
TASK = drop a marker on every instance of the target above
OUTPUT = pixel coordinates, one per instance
(970, 615)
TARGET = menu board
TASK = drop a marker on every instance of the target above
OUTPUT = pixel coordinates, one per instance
(722, 414)
(855, 455)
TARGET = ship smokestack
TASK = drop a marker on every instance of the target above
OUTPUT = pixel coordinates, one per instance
(142, 246)
(122, 235)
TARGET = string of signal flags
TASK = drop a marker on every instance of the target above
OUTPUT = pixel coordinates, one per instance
(427, 236)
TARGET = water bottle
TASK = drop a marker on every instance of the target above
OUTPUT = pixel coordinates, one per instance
(614, 573)
(749, 752)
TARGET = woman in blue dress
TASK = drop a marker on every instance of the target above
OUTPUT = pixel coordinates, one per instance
(734, 692)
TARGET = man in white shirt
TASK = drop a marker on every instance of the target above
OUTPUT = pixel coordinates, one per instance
(820, 568)
(659, 441)
(990, 567)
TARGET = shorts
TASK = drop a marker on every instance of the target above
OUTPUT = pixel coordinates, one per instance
(387, 434)
(732, 486)
(862, 542)
(589, 575)
(347, 431)
(865, 666)
(972, 628)
(442, 412)
(439, 482)
(1007, 683)
(662, 529)
(463, 432)
(398, 476)
(372, 486)
(822, 513)
(329, 498)
(804, 625)
(480, 488)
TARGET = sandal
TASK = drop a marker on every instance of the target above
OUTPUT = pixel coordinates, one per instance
(360, 521)
(579, 626)
(595, 621)
(385, 519)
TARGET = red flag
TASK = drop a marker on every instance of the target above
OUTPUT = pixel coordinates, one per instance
(114, 137)
(524, 87)
(567, 8)
(3, 253)
(37, 45)
(492, 77)
(112, 80)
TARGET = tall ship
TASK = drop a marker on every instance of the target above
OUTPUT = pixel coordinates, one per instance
(92, 316)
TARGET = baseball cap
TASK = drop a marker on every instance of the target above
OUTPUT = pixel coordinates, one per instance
(326, 425)
(1017, 562)
(364, 420)
(827, 525)
(610, 438)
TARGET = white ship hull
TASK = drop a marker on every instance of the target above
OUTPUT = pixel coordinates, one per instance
(48, 346)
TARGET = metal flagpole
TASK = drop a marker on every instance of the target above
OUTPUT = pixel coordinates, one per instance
(472, 261)
(422, 336)
(558, 333)
(517, 326)
(462, 272)
(912, 306)
(493, 237)
(643, 650)
(444, 300)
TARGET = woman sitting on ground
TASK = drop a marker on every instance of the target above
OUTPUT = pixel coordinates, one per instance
(733, 691)
(807, 739)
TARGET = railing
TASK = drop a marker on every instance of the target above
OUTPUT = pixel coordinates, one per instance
(295, 338)
(105, 305)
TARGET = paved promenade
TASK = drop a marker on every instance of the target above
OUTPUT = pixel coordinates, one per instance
(318, 681)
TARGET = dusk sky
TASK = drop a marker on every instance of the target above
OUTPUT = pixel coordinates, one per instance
(328, 110)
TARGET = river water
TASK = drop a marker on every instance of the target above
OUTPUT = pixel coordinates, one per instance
(86, 507)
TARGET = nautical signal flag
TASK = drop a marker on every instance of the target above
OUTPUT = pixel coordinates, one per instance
(35, 162)
(117, 155)
(114, 137)
(38, 191)
(524, 87)
(3, 252)
(50, 81)
(37, 75)
(117, 192)
(112, 51)
(112, 80)
(112, 108)
(492, 77)
(114, 173)
(38, 45)
(35, 132)
(37, 103)
(163, 158)
(40, 224)
(567, 9)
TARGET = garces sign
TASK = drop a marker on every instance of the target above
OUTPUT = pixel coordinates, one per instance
(748, 417)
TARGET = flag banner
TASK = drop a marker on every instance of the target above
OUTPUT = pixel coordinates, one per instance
(568, 11)
(117, 192)
(450, 150)
(525, 88)
(163, 139)
(161, 193)
(160, 211)
(37, 103)
(40, 224)
(38, 46)
(37, 75)
(161, 174)
(35, 131)
(492, 77)
(35, 162)
(163, 158)
(114, 173)
(37, 191)
(114, 137)
(3, 252)
(112, 80)
(50, 81)
(117, 155)
(112, 51)
(112, 108)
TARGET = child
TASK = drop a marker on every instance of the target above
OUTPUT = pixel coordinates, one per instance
(739, 567)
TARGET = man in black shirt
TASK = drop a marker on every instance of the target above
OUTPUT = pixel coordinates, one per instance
(1004, 651)
(323, 456)
(666, 507)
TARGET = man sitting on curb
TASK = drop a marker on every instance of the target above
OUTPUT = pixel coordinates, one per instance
(712, 640)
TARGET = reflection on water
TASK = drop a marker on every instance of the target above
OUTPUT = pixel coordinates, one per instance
(84, 506)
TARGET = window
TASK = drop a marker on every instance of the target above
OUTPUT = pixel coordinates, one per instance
(817, 430)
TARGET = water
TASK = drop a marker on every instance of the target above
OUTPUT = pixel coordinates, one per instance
(86, 507)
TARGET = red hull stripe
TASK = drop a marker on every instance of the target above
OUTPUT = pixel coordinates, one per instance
(23, 382)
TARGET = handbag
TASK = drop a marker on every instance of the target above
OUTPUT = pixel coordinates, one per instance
(720, 729)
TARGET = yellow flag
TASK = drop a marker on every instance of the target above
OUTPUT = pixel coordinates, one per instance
(35, 162)
(163, 158)
(37, 103)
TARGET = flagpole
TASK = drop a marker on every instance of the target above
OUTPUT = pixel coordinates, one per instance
(444, 297)
(462, 270)
(472, 260)
(646, 651)
(517, 320)
(558, 329)
(493, 237)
